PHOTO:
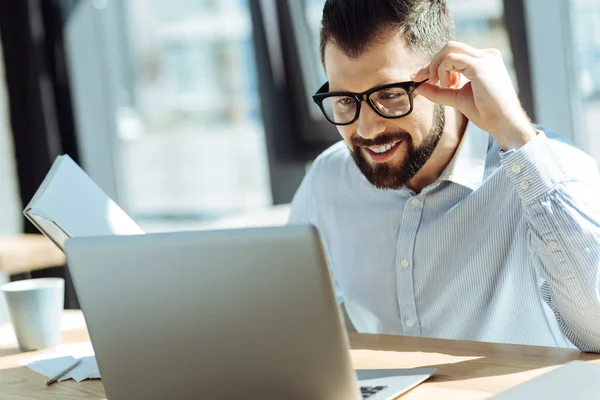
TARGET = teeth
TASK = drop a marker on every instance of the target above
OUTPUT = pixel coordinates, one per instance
(381, 149)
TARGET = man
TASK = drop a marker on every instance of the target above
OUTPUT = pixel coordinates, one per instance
(445, 212)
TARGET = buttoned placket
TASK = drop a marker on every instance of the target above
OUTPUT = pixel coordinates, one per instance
(407, 235)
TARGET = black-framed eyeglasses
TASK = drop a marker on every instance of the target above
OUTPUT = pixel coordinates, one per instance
(394, 100)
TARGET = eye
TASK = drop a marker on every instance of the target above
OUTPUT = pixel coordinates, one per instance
(344, 101)
(392, 95)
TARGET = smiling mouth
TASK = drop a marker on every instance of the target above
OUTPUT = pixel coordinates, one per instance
(382, 153)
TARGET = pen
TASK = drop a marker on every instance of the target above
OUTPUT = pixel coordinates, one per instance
(56, 377)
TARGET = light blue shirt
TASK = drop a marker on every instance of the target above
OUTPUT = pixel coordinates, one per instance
(503, 247)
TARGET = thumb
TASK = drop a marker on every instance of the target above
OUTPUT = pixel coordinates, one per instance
(436, 94)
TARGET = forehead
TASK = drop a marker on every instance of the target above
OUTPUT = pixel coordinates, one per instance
(386, 60)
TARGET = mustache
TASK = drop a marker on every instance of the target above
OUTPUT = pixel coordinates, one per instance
(381, 140)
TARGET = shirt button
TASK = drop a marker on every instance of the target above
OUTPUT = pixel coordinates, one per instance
(410, 323)
(552, 245)
(415, 202)
(516, 169)
(405, 263)
(524, 185)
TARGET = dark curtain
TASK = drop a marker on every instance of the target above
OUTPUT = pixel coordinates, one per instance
(39, 97)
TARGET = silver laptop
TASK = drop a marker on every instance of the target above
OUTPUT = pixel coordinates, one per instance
(219, 315)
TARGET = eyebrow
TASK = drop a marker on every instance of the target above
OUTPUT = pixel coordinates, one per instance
(379, 83)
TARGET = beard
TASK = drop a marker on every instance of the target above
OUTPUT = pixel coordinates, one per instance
(387, 176)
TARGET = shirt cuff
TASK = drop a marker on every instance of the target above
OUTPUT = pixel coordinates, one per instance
(534, 169)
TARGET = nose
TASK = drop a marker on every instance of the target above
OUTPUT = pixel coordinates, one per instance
(370, 125)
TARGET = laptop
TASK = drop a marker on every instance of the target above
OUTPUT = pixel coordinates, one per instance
(247, 313)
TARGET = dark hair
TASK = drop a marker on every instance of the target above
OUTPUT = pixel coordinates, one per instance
(424, 25)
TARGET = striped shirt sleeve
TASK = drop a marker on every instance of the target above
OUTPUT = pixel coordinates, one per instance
(560, 191)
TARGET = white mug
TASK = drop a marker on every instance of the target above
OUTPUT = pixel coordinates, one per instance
(35, 307)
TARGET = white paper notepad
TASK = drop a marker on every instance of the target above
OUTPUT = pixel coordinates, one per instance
(50, 364)
(87, 369)
(68, 203)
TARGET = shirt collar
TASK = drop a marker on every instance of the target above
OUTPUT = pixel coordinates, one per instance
(467, 166)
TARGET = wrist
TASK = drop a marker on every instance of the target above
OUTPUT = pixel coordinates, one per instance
(515, 137)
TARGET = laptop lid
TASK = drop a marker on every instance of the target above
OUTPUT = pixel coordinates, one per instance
(213, 314)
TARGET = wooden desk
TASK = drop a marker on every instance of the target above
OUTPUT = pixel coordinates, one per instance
(466, 370)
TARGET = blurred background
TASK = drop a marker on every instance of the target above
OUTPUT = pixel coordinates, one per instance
(197, 113)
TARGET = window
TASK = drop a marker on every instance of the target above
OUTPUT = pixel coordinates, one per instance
(564, 67)
(480, 23)
(196, 148)
(314, 12)
(179, 85)
(585, 16)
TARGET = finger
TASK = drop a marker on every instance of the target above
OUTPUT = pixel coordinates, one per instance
(445, 75)
(447, 79)
(493, 52)
(450, 47)
(421, 74)
(436, 94)
(456, 62)
(456, 47)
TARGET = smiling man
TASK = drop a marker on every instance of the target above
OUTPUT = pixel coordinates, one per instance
(445, 212)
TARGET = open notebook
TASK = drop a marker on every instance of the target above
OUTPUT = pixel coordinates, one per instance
(68, 203)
